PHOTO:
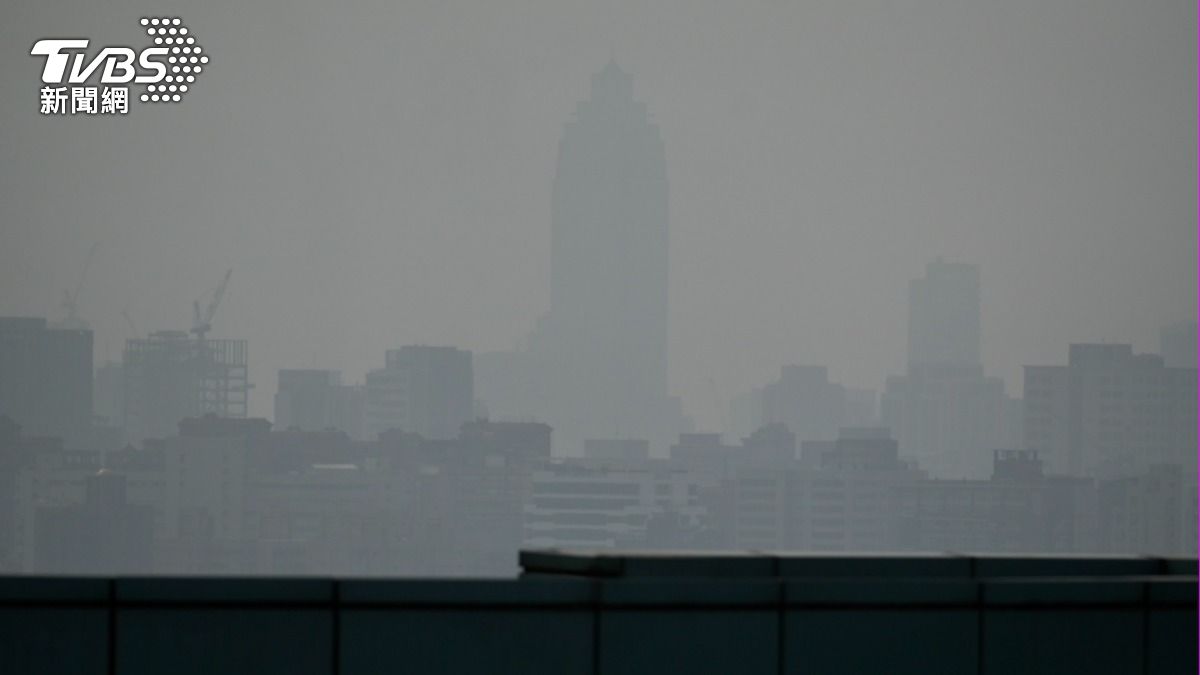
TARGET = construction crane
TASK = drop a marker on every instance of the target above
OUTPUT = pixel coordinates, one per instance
(70, 302)
(202, 322)
(129, 321)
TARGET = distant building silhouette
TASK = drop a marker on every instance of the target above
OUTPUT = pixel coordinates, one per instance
(703, 448)
(422, 389)
(944, 411)
(1151, 512)
(1019, 508)
(1177, 344)
(103, 535)
(837, 497)
(171, 375)
(596, 364)
(810, 405)
(772, 442)
(806, 402)
(950, 419)
(608, 503)
(316, 400)
(18, 456)
(745, 413)
(46, 377)
(108, 394)
(231, 496)
(616, 448)
(1110, 413)
(943, 316)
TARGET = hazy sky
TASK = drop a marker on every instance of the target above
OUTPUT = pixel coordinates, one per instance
(379, 173)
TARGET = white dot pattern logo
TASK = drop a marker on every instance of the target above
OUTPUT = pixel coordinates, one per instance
(170, 32)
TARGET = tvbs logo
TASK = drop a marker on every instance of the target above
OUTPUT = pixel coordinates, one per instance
(168, 69)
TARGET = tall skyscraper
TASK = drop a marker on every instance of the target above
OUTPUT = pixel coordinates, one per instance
(603, 345)
(596, 365)
(943, 316)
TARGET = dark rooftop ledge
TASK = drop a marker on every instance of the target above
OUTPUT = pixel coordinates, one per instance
(781, 564)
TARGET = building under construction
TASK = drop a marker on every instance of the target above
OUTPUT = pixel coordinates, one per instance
(172, 375)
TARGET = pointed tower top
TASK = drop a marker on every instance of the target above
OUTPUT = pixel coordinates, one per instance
(612, 81)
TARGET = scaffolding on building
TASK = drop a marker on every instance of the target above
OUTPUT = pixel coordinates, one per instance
(171, 375)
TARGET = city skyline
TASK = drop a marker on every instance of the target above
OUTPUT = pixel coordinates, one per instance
(794, 170)
(701, 336)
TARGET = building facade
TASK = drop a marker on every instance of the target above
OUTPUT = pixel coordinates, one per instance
(1110, 413)
(170, 376)
(46, 377)
(944, 411)
(316, 400)
(421, 389)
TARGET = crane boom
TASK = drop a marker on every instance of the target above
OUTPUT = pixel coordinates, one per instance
(202, 322)
(70, 302)
(129, 321)
(220, 293)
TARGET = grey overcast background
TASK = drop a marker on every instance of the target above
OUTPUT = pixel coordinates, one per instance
(379, 174)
